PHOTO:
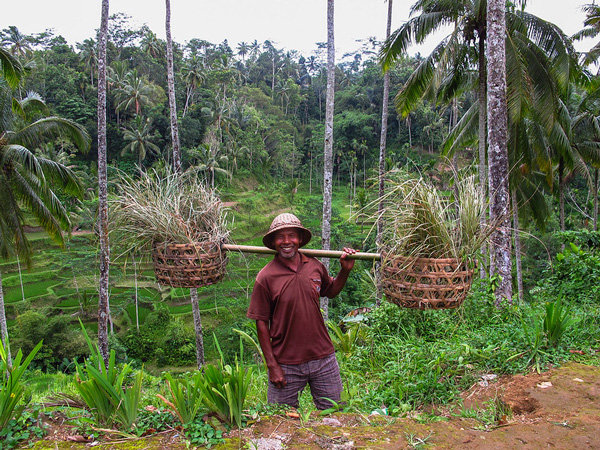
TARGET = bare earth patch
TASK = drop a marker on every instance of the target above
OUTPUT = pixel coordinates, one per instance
(559, 409)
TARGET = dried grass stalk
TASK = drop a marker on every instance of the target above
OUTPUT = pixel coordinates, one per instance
(167, 209)
(421, 222)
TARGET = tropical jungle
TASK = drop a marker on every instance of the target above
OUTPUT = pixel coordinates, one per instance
(120, 151)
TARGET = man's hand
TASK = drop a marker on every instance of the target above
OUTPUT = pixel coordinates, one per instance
(345, 262)
(277, 377)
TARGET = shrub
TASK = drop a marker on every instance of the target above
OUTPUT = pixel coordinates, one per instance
(12, 390)
(575, 276)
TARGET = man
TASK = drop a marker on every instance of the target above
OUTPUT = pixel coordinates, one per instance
(291, 330)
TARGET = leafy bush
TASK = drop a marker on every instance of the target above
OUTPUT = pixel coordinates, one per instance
(575, 276)
(185, 397)
(12, 390)
(104, 390)
(61, 341)
(224, 388)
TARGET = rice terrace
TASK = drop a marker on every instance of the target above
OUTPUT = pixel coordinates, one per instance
(242, 246)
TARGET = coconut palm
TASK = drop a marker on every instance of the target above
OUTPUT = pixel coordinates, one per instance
(171, 91)
(151, 45)
(209, 159)
(139, 139)
(243, 49)
(103, 188)
(88, 55)
(497, 120)
(539, 57)
(328, 147)
(18, 43)
(136, 93)
(194, 74)
(27, 182)
(382, 150)
(591, 30)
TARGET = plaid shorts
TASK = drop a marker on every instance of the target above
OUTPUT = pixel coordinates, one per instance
(322, 375)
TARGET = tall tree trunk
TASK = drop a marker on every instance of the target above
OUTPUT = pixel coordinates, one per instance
(197, 328)
(171, 89)
(382, 149)
(561, 192)
(328, 149)
(482, 167)
(177, 169)
(135, 281)
(4, 326)
(517, 238)
(102, 189)
(497, 148)
(595, 199)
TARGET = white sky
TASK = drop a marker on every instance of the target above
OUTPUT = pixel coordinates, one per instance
(293, 25)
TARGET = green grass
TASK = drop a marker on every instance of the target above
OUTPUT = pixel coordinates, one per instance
(32, 291)
(69, 302)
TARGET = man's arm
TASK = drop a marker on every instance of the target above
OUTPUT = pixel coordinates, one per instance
(346, 266)
(276, 375)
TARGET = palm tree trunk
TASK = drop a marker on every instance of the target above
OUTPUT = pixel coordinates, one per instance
(561, 192)
(171, 89)
(595, 199)
(177, 168)
(3, 325)
(482, 100)
(498, 153)
(382, 149)
(135, 281)
(102, 190)
(517, 238)
(328, 149)
(197, 328)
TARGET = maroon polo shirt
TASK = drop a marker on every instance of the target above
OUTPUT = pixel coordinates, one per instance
(289, 300)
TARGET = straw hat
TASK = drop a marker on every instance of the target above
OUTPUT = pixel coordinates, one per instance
(286, 220)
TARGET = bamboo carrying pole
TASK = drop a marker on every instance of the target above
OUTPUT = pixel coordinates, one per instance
(307, 251)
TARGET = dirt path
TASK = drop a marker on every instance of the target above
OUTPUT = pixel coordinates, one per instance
(559, 409)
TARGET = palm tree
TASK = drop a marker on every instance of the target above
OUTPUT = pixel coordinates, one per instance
(18, 43)
(591, 30)
(382, 149)
(136, 93)
(139, 139)
(103, 188)
(151, 45)
(209, 159)
(194, 74)
(538, 53)
(497, 120)
(328, 147)
(243, 49)
(27, 182)
(88, 55)
(171, 90)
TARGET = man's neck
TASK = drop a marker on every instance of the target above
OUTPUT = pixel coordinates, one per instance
(292, 263)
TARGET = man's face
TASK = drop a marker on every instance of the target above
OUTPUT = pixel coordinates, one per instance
(287, 242)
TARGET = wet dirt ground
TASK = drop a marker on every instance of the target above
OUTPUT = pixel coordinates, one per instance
(558, 409)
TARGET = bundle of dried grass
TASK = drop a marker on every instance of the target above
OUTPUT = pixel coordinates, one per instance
(174, 215)
(420, 221)
(431, 241)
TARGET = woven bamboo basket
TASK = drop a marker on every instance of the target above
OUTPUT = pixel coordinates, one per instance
(190, 265)
(426, 283)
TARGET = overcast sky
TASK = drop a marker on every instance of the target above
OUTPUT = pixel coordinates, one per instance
(293, 25)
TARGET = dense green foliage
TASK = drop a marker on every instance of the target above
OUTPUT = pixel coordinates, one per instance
(251, 122)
